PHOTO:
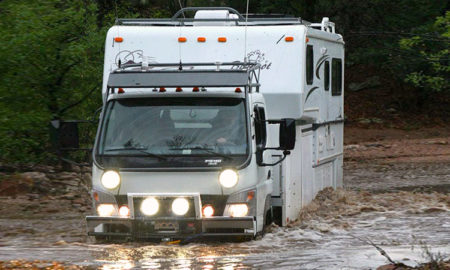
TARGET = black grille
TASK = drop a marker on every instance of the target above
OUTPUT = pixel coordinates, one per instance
(165, 207)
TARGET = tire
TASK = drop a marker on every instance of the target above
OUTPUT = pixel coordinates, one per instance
(100, 239)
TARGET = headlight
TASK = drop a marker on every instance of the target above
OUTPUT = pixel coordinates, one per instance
(105, 210)
(124, 211)
(150, 206)
(110, 179)
(238, 210)
(180, 206)
(228, 178)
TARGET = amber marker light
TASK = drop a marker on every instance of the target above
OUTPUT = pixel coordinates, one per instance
(201, 39)
(250, 195)
(222, 39)
(182, 39)
(289, 39)
(118, 39)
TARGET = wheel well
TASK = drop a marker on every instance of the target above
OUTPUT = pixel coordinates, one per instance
(277, 215)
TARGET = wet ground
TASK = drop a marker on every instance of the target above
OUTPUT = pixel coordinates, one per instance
(396, 197)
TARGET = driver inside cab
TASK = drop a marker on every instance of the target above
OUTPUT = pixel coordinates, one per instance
(227, 128)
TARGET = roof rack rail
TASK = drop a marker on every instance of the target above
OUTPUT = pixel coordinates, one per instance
(325, 25)
(176, 20)
(211, 74)
(190, 21)
(183, 10)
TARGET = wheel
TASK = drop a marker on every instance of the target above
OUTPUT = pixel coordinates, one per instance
(277, 215)
(100, 239)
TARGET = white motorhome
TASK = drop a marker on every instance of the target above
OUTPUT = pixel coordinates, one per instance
(215, 126)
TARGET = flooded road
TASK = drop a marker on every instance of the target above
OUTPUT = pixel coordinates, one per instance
(401, 234)
(402, 207)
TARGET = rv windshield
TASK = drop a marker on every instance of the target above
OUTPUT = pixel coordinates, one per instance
(174, 130)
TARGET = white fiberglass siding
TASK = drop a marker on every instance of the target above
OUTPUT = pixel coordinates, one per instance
(280, 59)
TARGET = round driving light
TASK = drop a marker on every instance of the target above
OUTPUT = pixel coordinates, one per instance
(208, 211)
(110, 179)
(105, 210)
(238, 210)
(228, 178)
(149, 206)
(124, 211)
(180, 206)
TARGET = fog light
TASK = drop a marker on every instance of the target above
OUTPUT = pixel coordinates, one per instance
(124, 211)
(150, 206)
(105, 210)
(208, 211)
(228, 178)
(180, 206)
(238, 210)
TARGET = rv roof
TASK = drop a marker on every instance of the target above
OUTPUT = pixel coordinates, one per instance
(236, 18)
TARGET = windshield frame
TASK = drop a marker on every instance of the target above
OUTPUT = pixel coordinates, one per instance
(115, 97)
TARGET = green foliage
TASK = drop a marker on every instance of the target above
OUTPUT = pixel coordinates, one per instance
(52, 52)
(431, 48)
(52, 55)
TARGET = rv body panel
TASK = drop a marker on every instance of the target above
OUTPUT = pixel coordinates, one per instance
(299, 72)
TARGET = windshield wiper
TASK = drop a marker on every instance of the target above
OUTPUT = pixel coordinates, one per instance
(209, 150)
(140, 149)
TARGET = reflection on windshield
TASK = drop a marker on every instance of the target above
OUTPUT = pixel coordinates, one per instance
(175, 126)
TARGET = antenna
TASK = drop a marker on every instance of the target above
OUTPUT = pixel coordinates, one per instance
(118, 26)
(181, 7)
(115, 9)
(245, 38)
(179, 35)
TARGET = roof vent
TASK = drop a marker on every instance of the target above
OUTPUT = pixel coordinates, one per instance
(214, 15)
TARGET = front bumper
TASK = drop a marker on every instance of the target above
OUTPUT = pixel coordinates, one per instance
(173, 228)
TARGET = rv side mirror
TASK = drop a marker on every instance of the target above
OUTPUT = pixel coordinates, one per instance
(64, 134)
(287, 134)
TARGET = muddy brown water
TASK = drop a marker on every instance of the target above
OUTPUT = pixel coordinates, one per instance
(400, 222)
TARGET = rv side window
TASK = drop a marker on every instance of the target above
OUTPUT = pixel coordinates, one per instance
(336, 77)
(260, 126)
(326, 75)
(309, 64)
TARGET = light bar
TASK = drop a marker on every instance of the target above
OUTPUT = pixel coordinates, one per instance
(207, 78)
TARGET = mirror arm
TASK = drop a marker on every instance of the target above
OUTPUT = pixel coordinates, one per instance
(269, 121)
(285, 153)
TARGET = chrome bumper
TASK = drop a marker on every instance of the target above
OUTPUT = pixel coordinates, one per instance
(134, 229)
